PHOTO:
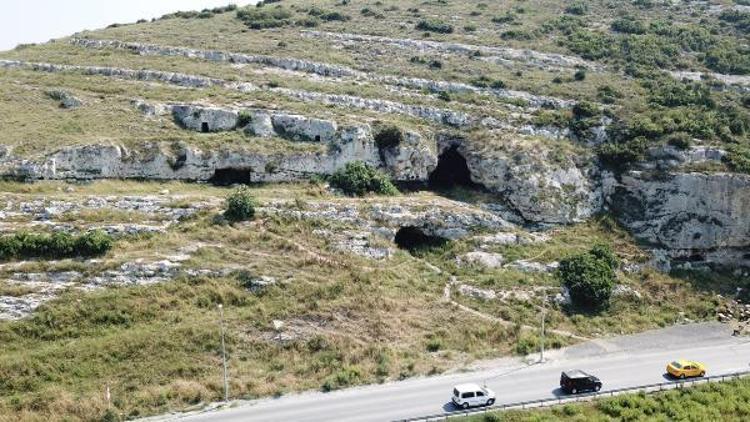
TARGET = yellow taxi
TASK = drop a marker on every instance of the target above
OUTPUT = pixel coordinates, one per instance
(686, 368)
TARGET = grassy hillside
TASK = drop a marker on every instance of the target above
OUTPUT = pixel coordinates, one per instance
(143, 318)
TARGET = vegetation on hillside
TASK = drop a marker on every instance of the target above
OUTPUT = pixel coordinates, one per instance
(590, 277)
(54, 246)
(358, 179)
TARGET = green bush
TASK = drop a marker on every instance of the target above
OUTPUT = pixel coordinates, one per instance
(628, 25)
(738, 158)
(508, 17)
(261, 17)
(591, 45)
(358, 179)
(344, 377)
(620, 154)
(680, 140)
(435, 25)
(240, 205)
(589, 277)
(577, 8)
(93, 243)
(388, 137)
(56, 245)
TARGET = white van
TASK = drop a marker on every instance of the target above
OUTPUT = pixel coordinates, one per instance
(468, 395)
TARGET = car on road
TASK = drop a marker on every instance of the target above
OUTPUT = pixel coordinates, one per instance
(470, 395)
(577, 381)
(685, 369)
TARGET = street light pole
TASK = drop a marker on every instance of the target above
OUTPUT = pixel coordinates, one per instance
(544, 312)
(224, 354)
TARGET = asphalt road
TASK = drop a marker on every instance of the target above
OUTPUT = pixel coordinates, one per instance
(620, 362)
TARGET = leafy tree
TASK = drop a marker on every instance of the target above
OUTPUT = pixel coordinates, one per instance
(590, 277)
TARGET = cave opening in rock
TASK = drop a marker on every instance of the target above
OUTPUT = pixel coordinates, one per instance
(204, 127)
(414, 239)
(451, 171)
(231, 176)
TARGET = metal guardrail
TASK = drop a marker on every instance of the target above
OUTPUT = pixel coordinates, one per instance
(531, 404)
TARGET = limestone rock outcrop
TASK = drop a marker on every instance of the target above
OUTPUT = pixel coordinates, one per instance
(695, 218)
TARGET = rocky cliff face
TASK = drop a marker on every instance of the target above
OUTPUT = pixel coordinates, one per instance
(693, 218)
(688, 219)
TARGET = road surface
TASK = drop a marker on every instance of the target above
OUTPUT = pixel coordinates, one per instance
(627, 361)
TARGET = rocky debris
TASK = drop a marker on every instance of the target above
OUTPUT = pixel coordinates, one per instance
(48, 285)
(66, 99)
(669, 157)
(563, 298)
(258, 284)
(493, 54)
(324, 70)
(355, 242)
(624, 291)
(691, 219)
(527, 266)
(740, 81)
(154, 207)
(476, 292)
(149, 109)
(510, 238)
(44, 287)
(483, 259)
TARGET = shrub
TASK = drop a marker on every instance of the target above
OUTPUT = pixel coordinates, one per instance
(508, 17)
(358, 179)
(680, 140)
(435, 25)
(328, 15)
(589, 277)
(93, 243)
(738, 158)
(628, 25)
(344, 377)
(244, 119)
(591, 45)
(388, 137)
(580, 75)
(240, 205)
(261, 18)
(577, 8)
(56, 245)
(620, 154)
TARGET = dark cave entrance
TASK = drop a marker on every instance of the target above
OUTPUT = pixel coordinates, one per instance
(231, 176)
(413, 239)
(204, 127)
(451, 171)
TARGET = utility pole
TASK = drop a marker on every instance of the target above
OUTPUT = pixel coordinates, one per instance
(544, 312)
(224, 353)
